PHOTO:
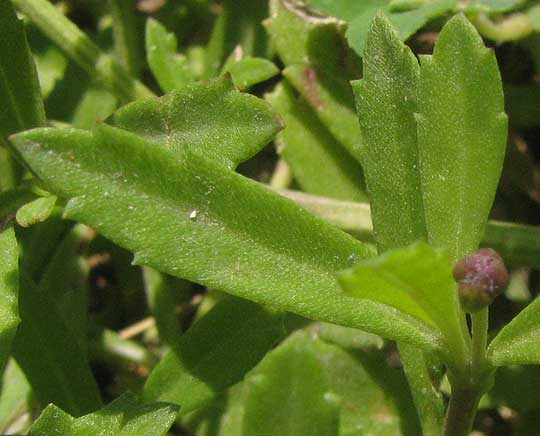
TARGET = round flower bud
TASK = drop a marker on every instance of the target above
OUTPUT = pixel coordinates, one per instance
(481, 276)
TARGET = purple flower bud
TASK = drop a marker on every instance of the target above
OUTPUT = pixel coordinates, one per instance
(481, 276)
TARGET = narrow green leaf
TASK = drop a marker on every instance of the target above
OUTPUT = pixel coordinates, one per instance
(219, 232)
(320, 164)
(15, 399)
(22, 107)
(517, 343)
(332, 100)
(214, 354)
(289, 395)
(96, 105)
(428, 400)
(51, 356)
(36, 211)
(386, 102)
(123, 417)
(9, 289)
(162, 305)
(461, 137)
(251, 71)
(170, 68)
(416, 280)
(204, 129)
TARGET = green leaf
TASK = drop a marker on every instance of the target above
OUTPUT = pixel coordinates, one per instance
(51, 356)
(493, 5)
(15, 399)
(462, 132)
(22, 107)
(289, 395)
(123, 417)
(204, 129)
(36, 211)
(417, 281)
(251, 71)
(215, 353)
(95, 106)
(224, 236)
(333, 102)
(170, 68)
(517, 343)
(51, 65)
(320, 164)
(9, 289)
(407, 16)
(386, 102)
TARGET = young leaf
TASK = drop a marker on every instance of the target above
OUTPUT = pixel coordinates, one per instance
(125, 416)
(170, 68)
(36, 211)
(417, 281)
(386, 102)
(9, 289)
(218, 229)
(461, 137)
(22, 107)
(250, 71)
(517, 343)
(305, 143)
(206, 128)
(289, 395)
(214, 354)
(15, 399)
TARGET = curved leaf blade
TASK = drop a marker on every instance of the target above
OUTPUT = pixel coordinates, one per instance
(518, 343)
(196, 220)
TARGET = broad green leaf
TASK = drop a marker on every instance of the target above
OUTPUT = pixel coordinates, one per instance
(517, 343)
(215, 353)
(251, 71)
(50, 354)
(320, 164)
(123, 417)
(9, 289)
(36, 211)
(220, 123)
(461, 137)
(417, 281)
(170, 68)
(22, 107)
(386, 102)
(219, 231)
(288, 395)
(15, 399)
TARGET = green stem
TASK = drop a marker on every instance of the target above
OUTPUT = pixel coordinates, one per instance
(126, 42)
(461, 411)
(79, 47)
(469, 386)
(511, 28)
(479, 344)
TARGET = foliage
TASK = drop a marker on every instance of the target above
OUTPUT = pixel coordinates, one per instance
(248, 212)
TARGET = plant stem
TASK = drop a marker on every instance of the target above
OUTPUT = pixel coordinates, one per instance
(79, 47)
(126, 40)
(467, 389)
(461, 411)
(479, 343)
